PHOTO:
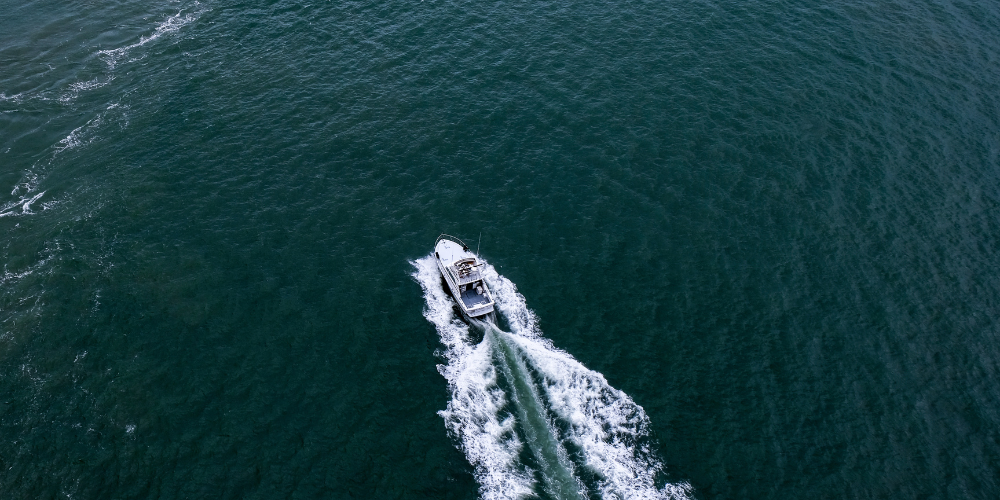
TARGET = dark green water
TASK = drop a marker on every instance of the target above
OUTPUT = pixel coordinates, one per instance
(774, 225)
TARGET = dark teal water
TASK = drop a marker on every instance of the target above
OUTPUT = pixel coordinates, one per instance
(774, 226)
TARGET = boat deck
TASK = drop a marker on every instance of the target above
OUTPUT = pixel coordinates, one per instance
(472, 299)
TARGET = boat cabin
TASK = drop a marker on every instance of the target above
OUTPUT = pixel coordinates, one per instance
(461, 270)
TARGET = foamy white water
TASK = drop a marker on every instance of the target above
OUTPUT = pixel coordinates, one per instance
(603, 423)
(474, 415)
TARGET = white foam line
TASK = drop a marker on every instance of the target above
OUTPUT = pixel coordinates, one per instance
(24, 204)
(112, 57)
(8, 278)
(84, 134)
(16, 98)
(78, 137)
(75, 138)
(511, 304)
(171, 24)
(76, 88)
(26, 185)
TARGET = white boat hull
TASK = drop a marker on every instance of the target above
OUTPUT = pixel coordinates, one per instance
(460, 270)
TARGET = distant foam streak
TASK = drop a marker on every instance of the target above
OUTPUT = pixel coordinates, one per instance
(171, 24)
(27, 188)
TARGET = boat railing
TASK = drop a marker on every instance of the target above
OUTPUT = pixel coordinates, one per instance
(472, 277)
(450, 238)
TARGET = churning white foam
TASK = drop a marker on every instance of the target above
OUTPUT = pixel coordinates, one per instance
(603, 423)
(474, 415)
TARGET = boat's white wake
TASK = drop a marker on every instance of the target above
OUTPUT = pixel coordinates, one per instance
(528, 416)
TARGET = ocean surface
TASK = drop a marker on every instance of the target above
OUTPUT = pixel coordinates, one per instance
(741, 250)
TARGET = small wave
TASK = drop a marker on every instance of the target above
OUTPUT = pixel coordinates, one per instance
(607, 429)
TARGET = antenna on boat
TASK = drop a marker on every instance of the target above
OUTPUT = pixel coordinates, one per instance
(479, 244)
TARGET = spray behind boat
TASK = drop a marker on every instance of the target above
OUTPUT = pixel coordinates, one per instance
(532, 420)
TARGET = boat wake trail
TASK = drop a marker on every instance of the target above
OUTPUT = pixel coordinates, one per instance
(531, 419)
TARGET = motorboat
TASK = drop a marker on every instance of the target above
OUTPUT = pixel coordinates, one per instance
(462, 272)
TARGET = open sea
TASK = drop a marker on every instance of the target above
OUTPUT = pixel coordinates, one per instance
(740, 249)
